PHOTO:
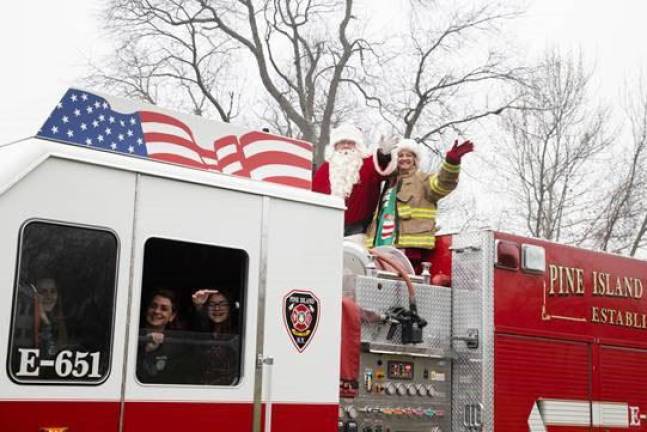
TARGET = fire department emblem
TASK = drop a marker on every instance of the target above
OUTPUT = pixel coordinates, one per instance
(301, 316)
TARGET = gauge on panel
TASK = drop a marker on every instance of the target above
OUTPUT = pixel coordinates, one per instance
(352, 412)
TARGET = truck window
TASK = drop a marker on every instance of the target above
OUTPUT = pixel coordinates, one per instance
(191, 316)
(61, 327)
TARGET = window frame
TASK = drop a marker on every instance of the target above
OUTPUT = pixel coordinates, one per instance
(14, 305)
(242, 319)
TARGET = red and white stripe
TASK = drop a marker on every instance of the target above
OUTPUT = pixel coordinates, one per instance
(170, 140)
(256, 155)
(388, 227)
(266, 157)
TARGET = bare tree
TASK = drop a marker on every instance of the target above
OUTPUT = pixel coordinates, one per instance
(621, 223)
(639, 239)
(636, 108)
(552, 148)
(309, 61)
(435, 79)
(164, 57)
(300, 49)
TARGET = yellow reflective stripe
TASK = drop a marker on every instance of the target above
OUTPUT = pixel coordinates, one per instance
(451, 168)
(404, 210)
(423, 213)
(435, 186)
(413, 240)
(423, 238)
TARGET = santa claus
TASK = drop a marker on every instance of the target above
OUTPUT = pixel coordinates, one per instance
(352, 173)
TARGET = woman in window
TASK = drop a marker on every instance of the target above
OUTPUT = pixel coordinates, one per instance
(158, 356)
(48, 329)
(51, 334)
(39, 323)
(219, 353)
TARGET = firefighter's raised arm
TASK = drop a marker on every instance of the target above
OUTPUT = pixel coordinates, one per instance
(445, 181)
(457, 151)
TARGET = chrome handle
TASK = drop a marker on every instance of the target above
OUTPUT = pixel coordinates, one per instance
(473, 416)
(471, 338)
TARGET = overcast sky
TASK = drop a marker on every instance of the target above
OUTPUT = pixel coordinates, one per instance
(611, 35)
(45, 45)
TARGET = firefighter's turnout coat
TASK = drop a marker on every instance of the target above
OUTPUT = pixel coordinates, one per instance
(418, 194)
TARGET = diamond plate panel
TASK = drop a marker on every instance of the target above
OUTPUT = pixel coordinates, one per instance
(434, 305)
(488, 330)
(395, 403)
(472, 372)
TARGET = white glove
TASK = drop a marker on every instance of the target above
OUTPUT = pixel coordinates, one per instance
(387, 144)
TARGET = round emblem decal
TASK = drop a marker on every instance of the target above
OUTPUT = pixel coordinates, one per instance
(301, 317)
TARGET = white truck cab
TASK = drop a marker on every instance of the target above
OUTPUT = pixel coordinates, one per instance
(90, 239)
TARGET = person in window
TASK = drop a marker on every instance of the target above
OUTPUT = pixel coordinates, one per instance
(51, 334)
(219, 344)
(158, 355)
(39, 322)
(47, 331)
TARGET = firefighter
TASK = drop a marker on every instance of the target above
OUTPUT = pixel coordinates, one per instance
(353, 174)
(406, 216)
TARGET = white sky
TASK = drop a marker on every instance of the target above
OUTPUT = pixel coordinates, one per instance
(46, 44)
(611, 34)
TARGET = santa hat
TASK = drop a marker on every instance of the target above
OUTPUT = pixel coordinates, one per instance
(411, 146)
(345, 132)
(403, 144)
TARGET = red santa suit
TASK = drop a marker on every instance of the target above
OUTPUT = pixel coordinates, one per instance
(365, 192)
(362, 201)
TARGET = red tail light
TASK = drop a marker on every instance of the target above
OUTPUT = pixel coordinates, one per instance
(507, 255)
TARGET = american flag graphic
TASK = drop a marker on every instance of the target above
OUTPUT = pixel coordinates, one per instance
(86, 119)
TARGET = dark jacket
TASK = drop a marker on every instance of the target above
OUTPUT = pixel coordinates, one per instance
(167, 363)
(216, 355)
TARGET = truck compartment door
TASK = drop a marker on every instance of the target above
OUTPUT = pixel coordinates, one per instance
(622, 396)
(541, 384)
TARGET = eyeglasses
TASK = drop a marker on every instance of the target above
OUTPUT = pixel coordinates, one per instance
(220, 305)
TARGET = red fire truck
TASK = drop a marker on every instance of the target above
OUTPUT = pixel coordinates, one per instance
(141, 293)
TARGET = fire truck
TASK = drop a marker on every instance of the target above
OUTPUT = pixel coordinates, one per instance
(500, 333)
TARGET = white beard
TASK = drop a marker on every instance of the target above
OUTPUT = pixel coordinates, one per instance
(344, 171)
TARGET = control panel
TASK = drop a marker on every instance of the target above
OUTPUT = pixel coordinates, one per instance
(399, 392)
